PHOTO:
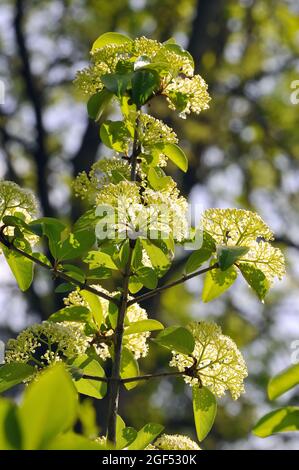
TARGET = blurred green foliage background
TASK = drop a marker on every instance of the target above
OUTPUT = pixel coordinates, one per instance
(243, 152)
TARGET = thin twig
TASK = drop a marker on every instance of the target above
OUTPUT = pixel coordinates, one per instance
(152, 376)
(113, 392)
(156, 291)
(55, 272)
(138, 378)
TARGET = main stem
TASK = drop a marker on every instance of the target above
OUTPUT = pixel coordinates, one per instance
(119, 332)
(114, 387)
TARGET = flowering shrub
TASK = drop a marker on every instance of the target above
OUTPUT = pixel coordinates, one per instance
(136, 217)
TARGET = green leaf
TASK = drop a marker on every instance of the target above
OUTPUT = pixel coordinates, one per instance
(41, 257)
(134, 285)
(217, 282)
(52, 228)
(64, 287)
(142, 326)
(95, 306)
(110, 38)
(117, 83)
(76, 245)
(87, 221)
(14, 373)
(124, 254)
(49, 407)
(144, 84)
(99, 259)
(10, 433)
(197, 258)
(21, 267)
(73, 441)
(204, 409)
(148, 277)
(129, 367)
(90, 366)
(256, 279)
(87, 415)
(115, 135)
(157, 254)
(176, 155)
(281, 420)
(228, 255)
(145, 436)
(17, 222)
(125, 438)
(97, 103)
(179, 100)
(176, 338)
(283, 381)
(180, 51)
(113, 314)
(72, 313)
(74, 272)
(157, 179)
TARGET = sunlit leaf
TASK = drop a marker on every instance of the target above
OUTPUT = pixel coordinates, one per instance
(283, 381)
(129, 367)
(144, 84)
(217, 282)
(73, 313)
(97, 259)
(281, 420)
(13, 374)
(256, 279)
(21, 267)
(97, 103)
(176, 338)
(49, 407)
(176, 155)
(10, 432)
(143, 325)
(228, 255)
(145, 436)
(204, 409)
(110, 38)
(90, 366)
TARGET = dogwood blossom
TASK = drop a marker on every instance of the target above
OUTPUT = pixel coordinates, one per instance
(185, 91)
(15, 200)
(46, 343)
(174, 442)
(147, 212)
(106, 170)
(136, 342)
(215, 363)
(187, 95)
(140, 51)
(239, 227)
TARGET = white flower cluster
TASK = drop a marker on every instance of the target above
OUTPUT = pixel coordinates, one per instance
(215, 363)
(238, 227)
(146, 213)
(187, 95)
(105, 171)
(184, 91)
(136, 342)
(43, 344)
(105, 59)
(173, 442)
(19, 202)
